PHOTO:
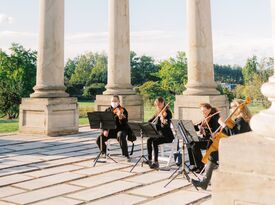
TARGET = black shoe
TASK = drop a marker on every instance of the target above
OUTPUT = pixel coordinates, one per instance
(149, 162)
(155, 165)
(200, 184)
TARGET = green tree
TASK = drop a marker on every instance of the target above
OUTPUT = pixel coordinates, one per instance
(172, 77)
(249, 69)
(173, 74)
(228, 74)
(86, 75)
(142, 69)
(17, 78)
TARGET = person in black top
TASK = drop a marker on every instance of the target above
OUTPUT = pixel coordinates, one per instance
(122, 128)
(241, 118)
(162, 121)
(208, 125)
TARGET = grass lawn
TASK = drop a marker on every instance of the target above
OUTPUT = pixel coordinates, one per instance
(84, 107)
(255, 108)
(8, 125)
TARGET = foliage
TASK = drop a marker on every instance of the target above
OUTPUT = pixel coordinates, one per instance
(256, 75)
(225, 91)
(17, 78)
(228, 74)
(249, 69)
(172, 77)
(142, 69)
(86, 75)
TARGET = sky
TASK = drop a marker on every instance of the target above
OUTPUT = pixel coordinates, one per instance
(240, 28)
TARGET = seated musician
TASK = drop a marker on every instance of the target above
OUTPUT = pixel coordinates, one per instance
(122, 128)
(162, 120)
(207, 126)
(241, 125)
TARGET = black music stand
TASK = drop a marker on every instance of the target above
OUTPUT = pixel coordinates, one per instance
(104, 121)
(142, 128)
(188, 138)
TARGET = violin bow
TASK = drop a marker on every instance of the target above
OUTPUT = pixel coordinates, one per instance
(160, 113)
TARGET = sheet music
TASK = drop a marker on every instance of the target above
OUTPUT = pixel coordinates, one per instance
(188, 124)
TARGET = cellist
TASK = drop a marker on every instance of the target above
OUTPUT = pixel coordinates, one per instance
(237, 123)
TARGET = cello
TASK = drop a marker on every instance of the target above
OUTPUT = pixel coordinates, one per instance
(218, 134)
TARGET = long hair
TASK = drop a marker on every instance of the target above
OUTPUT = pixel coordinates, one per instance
(161, 100)
(244, 113)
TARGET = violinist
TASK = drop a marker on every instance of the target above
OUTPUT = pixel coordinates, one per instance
(122, 128)
(209, 124)
(162, 120)
(240, 116)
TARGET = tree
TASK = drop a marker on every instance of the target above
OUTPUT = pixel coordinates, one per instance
(171, 80)
(17, 78)
(142, 69)
(249, 69)
(228, 74)
(173, 74)
(86, 74)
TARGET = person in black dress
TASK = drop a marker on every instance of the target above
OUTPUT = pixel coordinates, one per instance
(162, 121)
(122, 128)
(206, 127)
(241, 118)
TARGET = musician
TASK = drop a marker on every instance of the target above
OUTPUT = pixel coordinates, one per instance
(208, 125)
(242, 117)
(122, 128)
(162, 120)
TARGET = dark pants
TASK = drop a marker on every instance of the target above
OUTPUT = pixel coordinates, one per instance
(194, 152)
(155, 141)
(121, 137)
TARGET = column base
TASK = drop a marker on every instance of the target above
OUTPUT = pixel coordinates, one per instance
(247, 173)
(121, 90)
(187, 106)
(49, 116)
(132, 103)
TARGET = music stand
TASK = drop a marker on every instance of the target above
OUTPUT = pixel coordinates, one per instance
(143, 128)
(180, 128)
(104, 121)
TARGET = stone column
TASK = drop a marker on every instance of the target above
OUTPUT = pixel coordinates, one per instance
(119, 70)
(50, 51)
(201, 86)
(247, 173)
(49, 110)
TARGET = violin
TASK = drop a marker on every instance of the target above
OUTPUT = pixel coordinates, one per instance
(119, 112)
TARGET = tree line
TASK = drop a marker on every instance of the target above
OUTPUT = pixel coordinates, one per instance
(86, 76)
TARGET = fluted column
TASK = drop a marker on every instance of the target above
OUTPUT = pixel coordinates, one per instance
(50, 64)
(119, 72)
(200, 51)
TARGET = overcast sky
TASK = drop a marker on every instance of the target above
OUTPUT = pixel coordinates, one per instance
(241, 28)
